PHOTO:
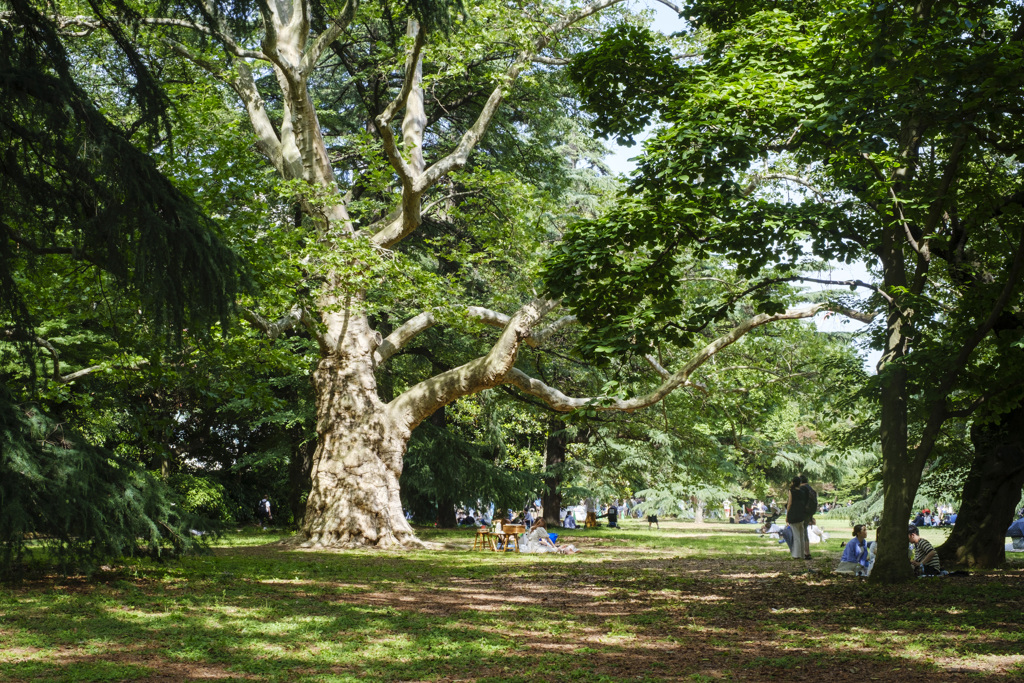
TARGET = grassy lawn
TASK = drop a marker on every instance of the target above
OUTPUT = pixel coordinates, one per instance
(688, 602)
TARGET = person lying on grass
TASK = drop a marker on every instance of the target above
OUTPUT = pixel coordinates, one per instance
(815, 534)
(537, 540)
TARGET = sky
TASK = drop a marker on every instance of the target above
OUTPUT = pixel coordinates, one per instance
(618, 160)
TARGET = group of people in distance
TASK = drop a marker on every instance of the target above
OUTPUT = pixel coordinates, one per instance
(939, 518)
(858, 554)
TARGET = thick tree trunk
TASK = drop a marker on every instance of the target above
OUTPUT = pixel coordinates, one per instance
(299, 468)
(990, 495)
(354, 497)
(446, 513)
(899, 486)
(551, 498)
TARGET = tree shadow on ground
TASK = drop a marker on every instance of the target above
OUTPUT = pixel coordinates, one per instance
(269, 614)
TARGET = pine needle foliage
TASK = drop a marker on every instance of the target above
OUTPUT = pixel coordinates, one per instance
(68, 505)
(74, 183)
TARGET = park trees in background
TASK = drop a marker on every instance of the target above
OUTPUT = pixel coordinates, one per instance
(426, 161)
(354, 109)
(334, 269)
(894, 125)
(355, 217)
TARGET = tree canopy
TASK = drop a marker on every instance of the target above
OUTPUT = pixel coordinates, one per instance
(882, 133)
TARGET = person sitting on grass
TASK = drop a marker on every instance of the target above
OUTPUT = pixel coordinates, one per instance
(612, 513)
(537, 540)
(856, 557)
(786, 536)
(926, 560)
(570, 520)
(1016, 534)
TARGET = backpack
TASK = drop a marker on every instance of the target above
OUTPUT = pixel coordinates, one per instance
(811, 508)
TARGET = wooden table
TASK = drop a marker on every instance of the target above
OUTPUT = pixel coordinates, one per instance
(509, 537)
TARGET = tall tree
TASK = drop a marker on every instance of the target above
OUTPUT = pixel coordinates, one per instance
(893, 124)
(376, 122)
(87, 214)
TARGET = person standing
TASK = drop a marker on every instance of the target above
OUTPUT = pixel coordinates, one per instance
(263, 512)
(796, 510)
(810, 510)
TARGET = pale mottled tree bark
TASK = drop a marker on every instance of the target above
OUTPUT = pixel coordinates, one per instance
(361, 439)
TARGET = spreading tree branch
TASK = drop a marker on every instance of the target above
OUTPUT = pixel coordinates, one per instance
(293, 319)
(402, 335)
(561, 402)
(395, 231)
(341, 22)
(18, 334)
(419, 401)
(496, 319)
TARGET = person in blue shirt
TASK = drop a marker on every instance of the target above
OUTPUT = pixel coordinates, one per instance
(786, 536)
(856, 557)
(1016, 532)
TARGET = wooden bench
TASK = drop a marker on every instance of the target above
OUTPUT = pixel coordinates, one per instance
(484, 539)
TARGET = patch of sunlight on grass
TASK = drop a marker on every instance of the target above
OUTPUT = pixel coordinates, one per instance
(702, 598)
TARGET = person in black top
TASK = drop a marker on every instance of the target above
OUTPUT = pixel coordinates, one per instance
(263, 512)
(810, 509)
(613, 517)
(796, 508)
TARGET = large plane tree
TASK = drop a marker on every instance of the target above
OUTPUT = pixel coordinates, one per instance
(371, 117)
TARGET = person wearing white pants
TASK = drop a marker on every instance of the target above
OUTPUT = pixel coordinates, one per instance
(795, 511)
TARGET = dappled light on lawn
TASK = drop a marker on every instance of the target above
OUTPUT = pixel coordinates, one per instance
(734, 609)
